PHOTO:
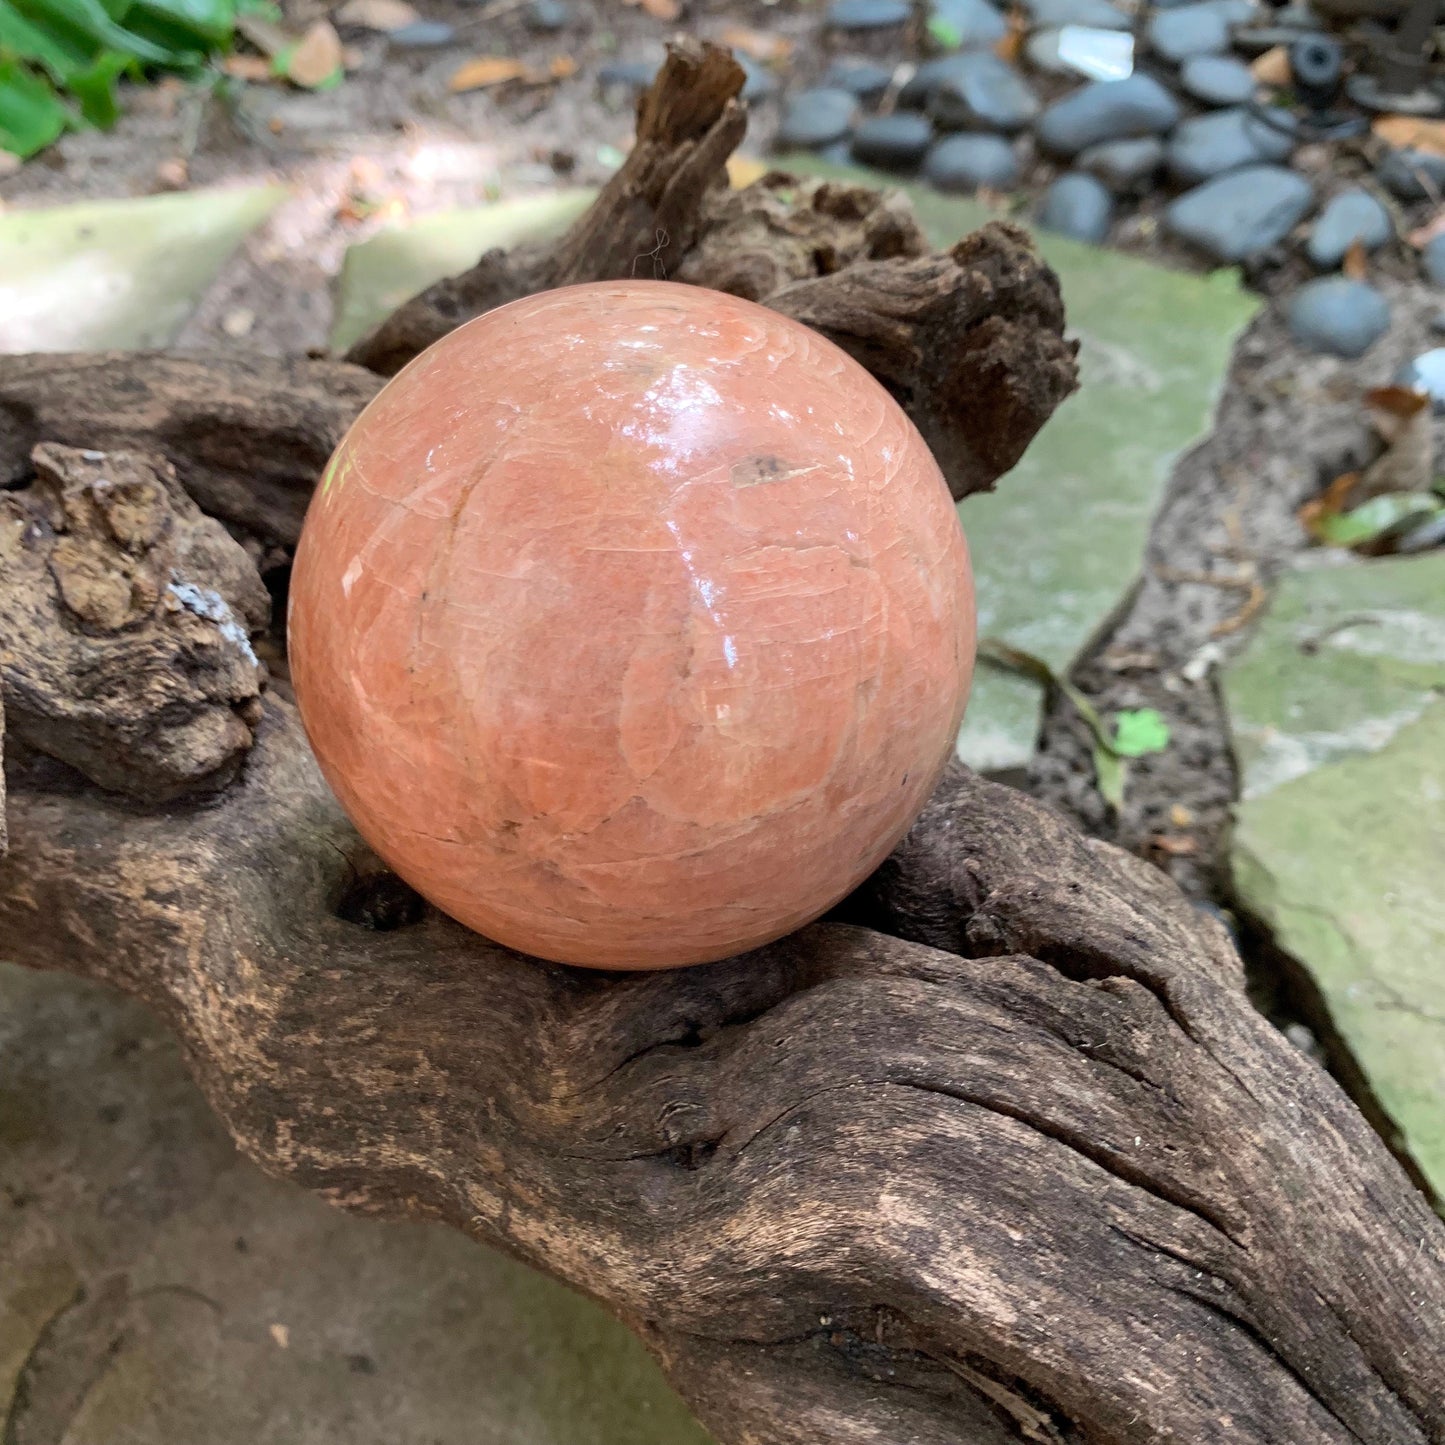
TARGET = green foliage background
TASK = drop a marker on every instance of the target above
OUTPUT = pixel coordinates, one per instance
(60, 59)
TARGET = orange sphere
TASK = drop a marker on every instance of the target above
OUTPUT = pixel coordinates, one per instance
(632, 624)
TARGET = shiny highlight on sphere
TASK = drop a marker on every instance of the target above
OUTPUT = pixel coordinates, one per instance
(632, 624)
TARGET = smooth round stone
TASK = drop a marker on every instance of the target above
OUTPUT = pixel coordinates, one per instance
(986, 94)
(1096, 14)
(1107, 110)
(1432, 261)
(894, 142)
(816, 118)
(1426, 373)
(1217, 80)
(548, 15)
(1124, 165)
(963, 163)
(629, 74)
(631, 624)
(975, 23)
(1338, 316)
(760, 82)
(1223, 140)
(1190, 30)
(867, 14)
(422, 35)
(1236, 216)
(1079, 206)
(918, 90)
(1348, 217)
(859, 77)
(1401, 171)
(1429, 534)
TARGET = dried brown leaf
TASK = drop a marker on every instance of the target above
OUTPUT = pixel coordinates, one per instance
(1272, 68)
(667, 10)
(1356, 264)
(248, 67)
(1408, 465)
(317, 58)
(560, 67)
(761, 45)
(1410, 132)
(484, 71)
(1009, 46)
(383, 15)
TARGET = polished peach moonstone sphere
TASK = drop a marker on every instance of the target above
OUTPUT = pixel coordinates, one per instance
(632, 624)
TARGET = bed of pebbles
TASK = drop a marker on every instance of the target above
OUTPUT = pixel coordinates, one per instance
(1217, 127)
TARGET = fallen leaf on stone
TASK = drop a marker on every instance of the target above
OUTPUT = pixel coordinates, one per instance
(487, 70)
(1110, 765)
(667, 10)
(560, 67)
(1138, 731)
(1272, 68)
(315, 63)
(760, 44)
(945, 32)
(1334, 499)
(1180, 816)
(1173, 846)
(1409, 132)
(1370, 521)
(383, 15)
(1356, 262)
(744, 170)
(248, 67)
(1391, 409)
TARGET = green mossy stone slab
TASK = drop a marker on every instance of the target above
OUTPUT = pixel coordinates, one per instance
(381, 272)
(1057, 545)
(1344, 658)
(1346, 866)
(118, 275)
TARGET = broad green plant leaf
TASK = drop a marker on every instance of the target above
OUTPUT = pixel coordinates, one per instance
(30, 114)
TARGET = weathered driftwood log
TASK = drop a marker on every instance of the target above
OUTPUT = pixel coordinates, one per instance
(1001, 1154)
(1061, 1184)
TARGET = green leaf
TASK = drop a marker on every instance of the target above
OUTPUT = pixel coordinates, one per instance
(95, 88)
(1111, 772)
(1139, 731)
(1370, 519)
(25, 39)
(88, 21)
(945, 32)
(207, 23)
(30, 114)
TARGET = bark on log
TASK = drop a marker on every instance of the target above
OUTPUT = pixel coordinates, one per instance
(247, 435)
(969, 341)
(1062, 1185)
